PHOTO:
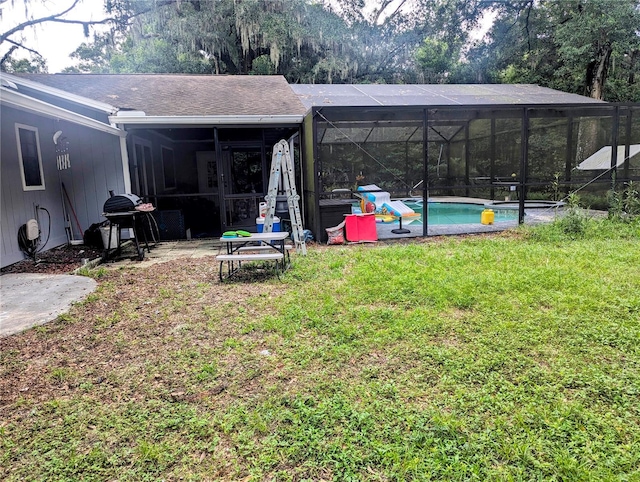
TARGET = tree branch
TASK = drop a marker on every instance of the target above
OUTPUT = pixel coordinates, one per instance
(526, 24)
(57, 18)
(84, 22)
(17, 45)
(6, 56)
(383, 7)
(393, 14)
(35, 21)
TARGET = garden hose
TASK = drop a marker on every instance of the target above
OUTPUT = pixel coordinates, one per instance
(30, 246)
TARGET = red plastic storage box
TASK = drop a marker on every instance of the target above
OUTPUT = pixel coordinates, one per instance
(361, 227)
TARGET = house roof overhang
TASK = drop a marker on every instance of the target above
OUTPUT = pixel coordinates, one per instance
(61, 94)
(23, 102)
(139, 119)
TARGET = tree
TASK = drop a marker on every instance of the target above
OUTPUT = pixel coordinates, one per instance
(14, 39)
(36, 66)
(119, 15)
(304, 40)
(221, 36)
(437, 59)
(583, 46)
(443, 51)
(593, 35)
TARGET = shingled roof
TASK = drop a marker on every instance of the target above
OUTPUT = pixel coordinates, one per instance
(182, 95)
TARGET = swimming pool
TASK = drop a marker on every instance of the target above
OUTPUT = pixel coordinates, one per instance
(451, 213)
(441, 213)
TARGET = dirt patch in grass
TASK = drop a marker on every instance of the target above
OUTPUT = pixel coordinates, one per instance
(142, 333)
(61, 260)
(160, 343)
(123, 336)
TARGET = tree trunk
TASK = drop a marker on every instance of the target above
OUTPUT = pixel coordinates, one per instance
(587, 142)
(597, 72)
(632, 66)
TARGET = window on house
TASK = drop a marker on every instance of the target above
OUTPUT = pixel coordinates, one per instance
(30, 158)
(168, 168)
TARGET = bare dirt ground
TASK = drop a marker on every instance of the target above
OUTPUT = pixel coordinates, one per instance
(61, 260)
(65, 259)
(143, 337)
(134, 318)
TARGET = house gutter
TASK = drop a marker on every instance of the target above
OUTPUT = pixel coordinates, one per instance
(23, 102)
(139, 118)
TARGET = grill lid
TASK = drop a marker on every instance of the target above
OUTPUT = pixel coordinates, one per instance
(119, 203)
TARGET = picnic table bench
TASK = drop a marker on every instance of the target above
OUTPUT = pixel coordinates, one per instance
(256, 247)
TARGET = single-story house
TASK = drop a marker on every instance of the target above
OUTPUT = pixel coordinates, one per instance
(198, 147)
(195, 146)
(59, 160)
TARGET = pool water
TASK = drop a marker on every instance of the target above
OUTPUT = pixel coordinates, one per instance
(452, 213)
(459, 213)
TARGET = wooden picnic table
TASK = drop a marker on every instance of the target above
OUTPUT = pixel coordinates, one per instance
(257, 247)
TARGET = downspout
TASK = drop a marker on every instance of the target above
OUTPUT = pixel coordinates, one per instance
(126, 174)
(124, 156)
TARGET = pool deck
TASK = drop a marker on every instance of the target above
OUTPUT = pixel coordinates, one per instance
(458, 199)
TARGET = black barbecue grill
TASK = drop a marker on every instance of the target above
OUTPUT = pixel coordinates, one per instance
(120, 210)
(121, 203)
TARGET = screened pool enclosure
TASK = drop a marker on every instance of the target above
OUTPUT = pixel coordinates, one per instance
(519, 150)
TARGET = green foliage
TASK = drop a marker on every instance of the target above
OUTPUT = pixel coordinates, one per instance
(590, 47)
(574, 222)
(263, 65)
(437, 59)
(95, 272)
(555, 187)
(305, 41)
(24, 66)
(624, 204)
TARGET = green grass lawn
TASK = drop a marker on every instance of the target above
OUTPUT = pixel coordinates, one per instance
(510, 357)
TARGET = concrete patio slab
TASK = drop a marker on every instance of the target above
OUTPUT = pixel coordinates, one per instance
(167, 251)
(28, 300)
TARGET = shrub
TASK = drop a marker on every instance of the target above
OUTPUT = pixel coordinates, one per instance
(574, 223)
(625, 204)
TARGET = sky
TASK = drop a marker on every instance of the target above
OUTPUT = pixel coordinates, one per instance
(57, 41)
(54, 41)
